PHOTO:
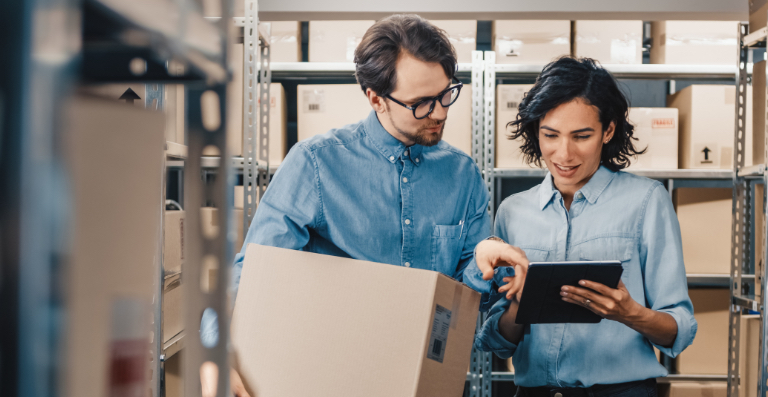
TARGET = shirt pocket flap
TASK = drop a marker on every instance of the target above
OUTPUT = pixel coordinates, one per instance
(536, 254)
(606, 249)
(446, 231)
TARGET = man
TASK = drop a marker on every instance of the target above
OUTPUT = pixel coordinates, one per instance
(385, 189)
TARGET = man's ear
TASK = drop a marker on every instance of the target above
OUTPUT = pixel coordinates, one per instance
(377, 102)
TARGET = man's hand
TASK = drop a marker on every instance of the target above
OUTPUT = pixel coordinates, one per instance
(491, 254)
(613, 304)
(209, 377)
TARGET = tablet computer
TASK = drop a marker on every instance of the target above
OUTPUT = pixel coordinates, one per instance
(541, 302)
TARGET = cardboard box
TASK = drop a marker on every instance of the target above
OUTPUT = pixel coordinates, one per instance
(335, 41)
(173, 241)
(174, 377)
(758, 14)
(209, 220)
(531, 41)
(656, 131)
(284, 41)
(462, 35)
(173, 320)
(323, 107)
(508, 98)
(408, 334)
(610, 42)
(759, 112)
(749, 355)
(705, 224)
(693, 389)
(695, 42)
(706, 114)
(458, 125)
(114, 154)
(709, 352)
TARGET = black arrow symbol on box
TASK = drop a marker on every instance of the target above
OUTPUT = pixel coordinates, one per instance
(706, 153)
(129, 96)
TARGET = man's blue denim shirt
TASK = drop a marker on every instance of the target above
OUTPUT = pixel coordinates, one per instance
(358, 192)
(615, 216)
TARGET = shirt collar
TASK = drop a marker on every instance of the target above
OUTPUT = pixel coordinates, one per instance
(591, 191)
(387, 145)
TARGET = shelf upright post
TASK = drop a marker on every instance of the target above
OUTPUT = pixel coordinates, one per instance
(40, 47)
(489, 150)
(478, 143)
(256, 104)
(153, 99)
(206, 251)
(740, 237)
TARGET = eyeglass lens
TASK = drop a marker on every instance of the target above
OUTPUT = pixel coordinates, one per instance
(426, 107)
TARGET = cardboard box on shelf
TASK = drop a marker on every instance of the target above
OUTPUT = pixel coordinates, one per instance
(693, 389)
(335, 41)
(708, 355)
(113, 154)
(508, 98)
(284, 41)
(609, 42)
(173, 320)
(173, 241)
(531, 41)
(323, 107)
(418, 324)
(210, 226)
(758, 14)
(458, 125)
(758, 110)
(749, 355)
(656, 131)
(705, 223)
(694, 42)
(174, 383)
(462, 35)
(706, 114)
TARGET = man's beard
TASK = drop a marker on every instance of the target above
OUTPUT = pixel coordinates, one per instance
(421, 137)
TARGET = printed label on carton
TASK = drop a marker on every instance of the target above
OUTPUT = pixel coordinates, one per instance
(314, 101)
(439, 335)
(663, 126)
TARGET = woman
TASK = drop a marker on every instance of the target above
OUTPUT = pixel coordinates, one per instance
(574, 119)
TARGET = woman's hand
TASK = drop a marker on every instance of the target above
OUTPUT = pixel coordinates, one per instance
(491, 254)
(613, 304)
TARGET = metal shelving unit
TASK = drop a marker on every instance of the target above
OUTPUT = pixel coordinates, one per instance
(743, 267)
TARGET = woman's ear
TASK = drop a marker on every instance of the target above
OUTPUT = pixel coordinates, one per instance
(608, 133)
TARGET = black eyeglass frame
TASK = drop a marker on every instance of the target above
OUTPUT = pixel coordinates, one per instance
(434, 99)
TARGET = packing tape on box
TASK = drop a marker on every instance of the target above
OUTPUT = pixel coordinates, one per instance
(458, 290)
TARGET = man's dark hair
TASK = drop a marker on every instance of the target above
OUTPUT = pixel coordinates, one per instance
(382, 44)
(567, 79)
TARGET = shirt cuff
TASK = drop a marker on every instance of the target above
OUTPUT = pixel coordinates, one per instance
(489, 337)
(686, 331)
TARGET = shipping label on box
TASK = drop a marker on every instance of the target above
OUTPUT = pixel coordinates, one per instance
(656, 132)
(508, 154)
(408, 334)
(610, 41)
(531, 41)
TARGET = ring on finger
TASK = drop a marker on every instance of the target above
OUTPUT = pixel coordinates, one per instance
(587, 302)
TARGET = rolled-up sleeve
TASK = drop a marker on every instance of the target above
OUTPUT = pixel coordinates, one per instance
(661, 257)
(489, 337)
(290, 207)
(474, 279)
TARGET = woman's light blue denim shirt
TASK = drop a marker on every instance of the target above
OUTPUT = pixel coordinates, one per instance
(615, 216)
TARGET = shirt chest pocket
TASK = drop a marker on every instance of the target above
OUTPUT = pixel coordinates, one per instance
(446, 248)
(609, 248)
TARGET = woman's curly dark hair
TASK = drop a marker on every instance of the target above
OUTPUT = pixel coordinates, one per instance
(567, 79)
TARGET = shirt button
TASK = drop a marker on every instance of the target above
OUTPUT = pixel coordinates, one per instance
(558, 394)
(407, 221)
(417, 160)
(391, 158)
(405, 154)
(407, 264)
(581, 196)
(405, 180)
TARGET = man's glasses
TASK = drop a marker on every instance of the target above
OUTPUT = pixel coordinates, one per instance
(424, 108)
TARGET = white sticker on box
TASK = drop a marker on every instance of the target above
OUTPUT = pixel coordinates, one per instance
(439, 336)
(314, 101)
(511, 98)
